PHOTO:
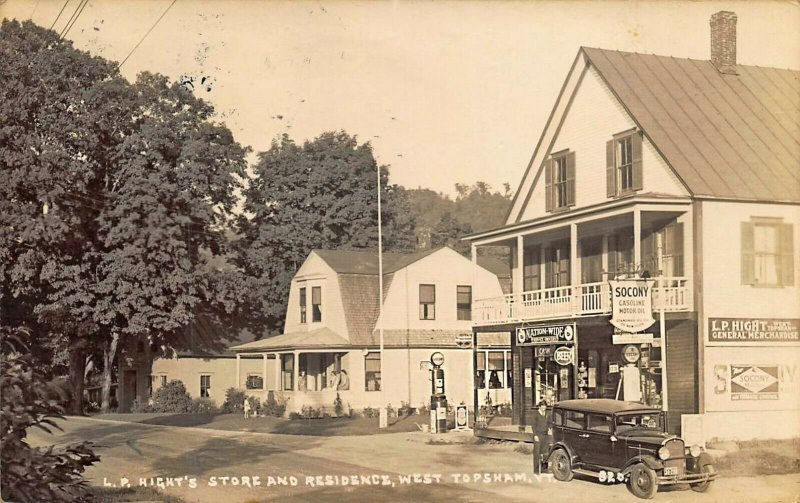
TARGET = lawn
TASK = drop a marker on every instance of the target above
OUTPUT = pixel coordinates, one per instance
(316, 427)
(130, 494)
(759, 457)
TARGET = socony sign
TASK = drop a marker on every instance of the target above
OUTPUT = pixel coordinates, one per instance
(632, 304)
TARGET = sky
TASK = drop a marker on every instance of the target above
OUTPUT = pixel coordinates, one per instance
(446, 92)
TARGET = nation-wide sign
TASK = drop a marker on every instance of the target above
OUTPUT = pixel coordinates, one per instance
(632, 304)
(546, 334)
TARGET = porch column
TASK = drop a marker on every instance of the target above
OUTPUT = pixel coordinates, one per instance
(278, 365)
(238, 370)
(518, 286)
(264, 371)
(637, 237)
(473, 250)
(574, 268)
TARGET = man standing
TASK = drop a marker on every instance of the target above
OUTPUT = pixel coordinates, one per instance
(541, 435)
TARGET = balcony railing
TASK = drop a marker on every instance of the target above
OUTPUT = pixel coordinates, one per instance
(669, 294)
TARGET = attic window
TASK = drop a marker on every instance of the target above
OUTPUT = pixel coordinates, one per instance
(427, 302)
(624, 164)
(560, 181)
(303, 311)
(316, 304)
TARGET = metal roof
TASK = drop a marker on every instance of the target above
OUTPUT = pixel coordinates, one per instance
(725, 136)
(319, 338)
(604, 406)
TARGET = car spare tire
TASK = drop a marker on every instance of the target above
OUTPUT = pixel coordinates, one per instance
(560, 465)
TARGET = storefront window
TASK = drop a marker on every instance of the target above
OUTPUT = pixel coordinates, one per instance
(493, 369)
(372, 371)
(480, 370)
(496, 369)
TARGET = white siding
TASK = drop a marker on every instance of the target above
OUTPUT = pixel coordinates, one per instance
(316, 272)
(593, 118)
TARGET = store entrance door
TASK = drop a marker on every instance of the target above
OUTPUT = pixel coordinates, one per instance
(552, 382)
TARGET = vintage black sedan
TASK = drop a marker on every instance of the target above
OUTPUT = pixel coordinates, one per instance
(615, 441)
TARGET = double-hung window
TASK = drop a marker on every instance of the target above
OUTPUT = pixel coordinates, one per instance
(767, 252)
(255, 381)
(303, 309)
(624, 164)
(427, 302)
(372, 371)
(205, 386)
(560, 181)
(464, 302)
(316, 304)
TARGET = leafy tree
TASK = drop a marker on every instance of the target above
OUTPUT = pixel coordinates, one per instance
(322, 194)
(28, 473)
(449, 231)
(117, 196)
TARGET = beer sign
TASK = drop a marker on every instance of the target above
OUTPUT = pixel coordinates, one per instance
(632, 304)
(563, 355)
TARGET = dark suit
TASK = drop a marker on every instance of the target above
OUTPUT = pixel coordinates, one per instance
(540, 428)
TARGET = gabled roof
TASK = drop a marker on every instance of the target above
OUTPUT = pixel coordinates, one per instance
(366, 262)
(319, 338)
(725, 136)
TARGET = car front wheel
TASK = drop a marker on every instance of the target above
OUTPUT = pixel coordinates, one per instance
(560, 465)
(643, 482)
(705, 466)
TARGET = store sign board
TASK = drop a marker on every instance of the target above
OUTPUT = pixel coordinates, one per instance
(754, 382)
(563, 355)
(464, 340)
(631, 353)
(546, 335)
(544, 351)
(738, 330)
(632, 304)
(626, 338)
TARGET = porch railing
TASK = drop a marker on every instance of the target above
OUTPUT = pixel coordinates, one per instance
(671, 294)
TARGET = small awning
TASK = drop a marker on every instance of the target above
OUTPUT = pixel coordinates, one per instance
(321, 338)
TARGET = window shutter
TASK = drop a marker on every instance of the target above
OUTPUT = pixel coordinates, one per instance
(675, 246)
(748, 254)
(548, 185)
(571, 179)
(787, 255)
(636, 154)
(611, 171)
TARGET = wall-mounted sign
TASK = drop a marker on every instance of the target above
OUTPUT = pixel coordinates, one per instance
(631, 353)
(546, 334)
(626, 338)
(632, 304)
(544, 351)
(464, 340)
(735, 330)
(613, 368)
(754, 382)
(528, 377)
(461, 417)
(437, 359)
(563, 355)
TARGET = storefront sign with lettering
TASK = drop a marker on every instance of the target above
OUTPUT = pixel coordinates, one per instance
(632, 304)
(545, 335)
(754, 382)
(563, 355)
(740, 330)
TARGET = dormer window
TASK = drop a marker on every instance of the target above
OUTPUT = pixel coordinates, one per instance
(303, 309)
(560, 181)
(624, 164)
(316, 304)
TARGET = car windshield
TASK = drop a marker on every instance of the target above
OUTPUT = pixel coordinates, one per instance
(648, 421)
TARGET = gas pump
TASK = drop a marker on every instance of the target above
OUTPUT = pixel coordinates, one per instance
(438, 398)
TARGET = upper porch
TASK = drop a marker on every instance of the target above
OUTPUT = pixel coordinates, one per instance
(561, 264)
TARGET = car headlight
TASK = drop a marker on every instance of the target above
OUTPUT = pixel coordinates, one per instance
(695, 450)
(663, 453)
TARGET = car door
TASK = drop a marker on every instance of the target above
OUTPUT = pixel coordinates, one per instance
(598, 446)
(574, 432)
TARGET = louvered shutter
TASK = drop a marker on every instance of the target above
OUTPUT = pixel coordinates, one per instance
(571, 179)
(748, 254)
(787, 255)
(611, 174)
(675, 247)
(548, 185)
(636, 157)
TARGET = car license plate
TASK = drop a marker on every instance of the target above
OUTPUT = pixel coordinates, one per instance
(671, 470)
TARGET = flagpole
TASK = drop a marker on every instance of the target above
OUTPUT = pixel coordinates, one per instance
(383, 420)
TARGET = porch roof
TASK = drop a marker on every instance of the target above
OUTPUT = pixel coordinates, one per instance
(320, 338)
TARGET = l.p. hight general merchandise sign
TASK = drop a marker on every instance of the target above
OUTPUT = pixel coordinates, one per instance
(733, 330)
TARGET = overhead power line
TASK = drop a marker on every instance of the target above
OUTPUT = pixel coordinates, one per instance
(79, 12)
(146, 34)
(59, 14)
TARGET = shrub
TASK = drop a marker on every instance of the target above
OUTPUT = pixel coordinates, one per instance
(310, 412)
(295, 415)
(352, 413)
(172, 397)
(390, 411)
(255, 404)
(234, 401)
(204, 406)
(424, 410)
(338, 406)
(28, 473)
(274, 406)
(405, 409)
(140, 406)
(370, 412)
(505, 410)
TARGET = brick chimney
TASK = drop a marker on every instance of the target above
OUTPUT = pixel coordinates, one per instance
(723, 41)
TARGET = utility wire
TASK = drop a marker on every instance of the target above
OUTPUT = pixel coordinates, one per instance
(34, 9)
(146, 34)
(82, 6)
(59, 14)
(61, 34)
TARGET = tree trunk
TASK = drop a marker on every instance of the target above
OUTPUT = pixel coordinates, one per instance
(77, 366)
(109, 352)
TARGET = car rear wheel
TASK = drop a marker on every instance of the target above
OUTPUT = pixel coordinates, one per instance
(560, 465)
(643, 482)
(705, 466)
